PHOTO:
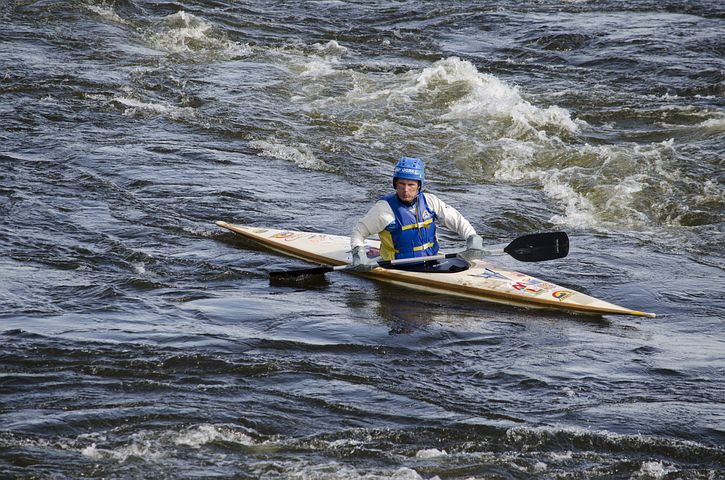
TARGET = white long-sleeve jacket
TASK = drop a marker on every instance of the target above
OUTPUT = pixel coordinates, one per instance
(381, 215)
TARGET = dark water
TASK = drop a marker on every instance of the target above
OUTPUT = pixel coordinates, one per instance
(139, 340)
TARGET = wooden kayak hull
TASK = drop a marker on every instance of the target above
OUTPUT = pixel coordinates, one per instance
(483, 281)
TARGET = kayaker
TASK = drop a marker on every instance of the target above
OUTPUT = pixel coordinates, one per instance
(406, 219)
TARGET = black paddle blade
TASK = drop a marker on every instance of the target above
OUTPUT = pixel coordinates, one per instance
(298, 273)
(538, 247)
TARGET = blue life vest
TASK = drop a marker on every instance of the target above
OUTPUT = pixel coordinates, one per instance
(412, 234)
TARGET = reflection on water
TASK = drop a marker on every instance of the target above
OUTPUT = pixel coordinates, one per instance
(405, 310)
(403, 313)
(301, 282)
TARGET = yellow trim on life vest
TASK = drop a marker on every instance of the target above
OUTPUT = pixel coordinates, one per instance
(423, 247)
(419, 248)
(387, 247)
(418, 225)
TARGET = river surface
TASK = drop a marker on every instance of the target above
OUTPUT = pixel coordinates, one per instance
(141, 341)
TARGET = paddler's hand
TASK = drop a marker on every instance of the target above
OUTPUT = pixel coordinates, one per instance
(474, 247)
(360, 260)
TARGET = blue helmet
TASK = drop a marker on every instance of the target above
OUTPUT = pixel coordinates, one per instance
(410, 168)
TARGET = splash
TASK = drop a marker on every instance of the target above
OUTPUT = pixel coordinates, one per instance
(489, 97)
(578, 210)
(713, 125)
(144, 449)
(490, 130)
(430, 453)
(183, 34)
(317, 68)
(528, 438)
(152, 446)
(108, 13)
(600, 187)
(654, 470)
(330, 49)
(201, 435)
(453, 93)
(319, 60)
(132, 106)
(301, 155)
(337, 471)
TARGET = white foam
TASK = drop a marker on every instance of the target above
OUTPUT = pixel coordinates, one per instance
(152, 445)
(323, 62)
(301, 155)
(135, 106)
(331, 48)
(337, 471)
(344, 443)
(184, 33)
(317, 68)
(490, 97)
(515, 156)
(603, 186)
(568, 392)
(107, 13)
(578, 210)
(92, 452)
(405, 473)
(558, 457)
(713, 124)
(537, 436)
(141, 448)
(517, 162)
(490, 128)
(430, 453)
(654, 470)
(201, 435)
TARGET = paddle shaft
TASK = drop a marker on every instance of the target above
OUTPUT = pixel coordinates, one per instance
(382, 263)
(534, 247)
(404, 261)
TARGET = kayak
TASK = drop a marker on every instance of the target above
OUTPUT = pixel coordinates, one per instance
(480, 279)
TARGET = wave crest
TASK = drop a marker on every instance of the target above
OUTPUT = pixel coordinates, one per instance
(185, 33)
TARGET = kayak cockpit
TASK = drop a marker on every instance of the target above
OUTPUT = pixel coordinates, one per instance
(450, 265)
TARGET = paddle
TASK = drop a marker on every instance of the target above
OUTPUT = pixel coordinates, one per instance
(535, 247)
(539, 247)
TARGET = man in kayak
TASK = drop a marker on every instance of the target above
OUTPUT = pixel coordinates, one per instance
(406, 220)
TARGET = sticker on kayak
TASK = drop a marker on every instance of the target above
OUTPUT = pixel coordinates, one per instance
(561, 295)
(320, 238)
(532, 286)
(288, 236)
(491, 274)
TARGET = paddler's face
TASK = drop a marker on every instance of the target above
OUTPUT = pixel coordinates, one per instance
(406, 189)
